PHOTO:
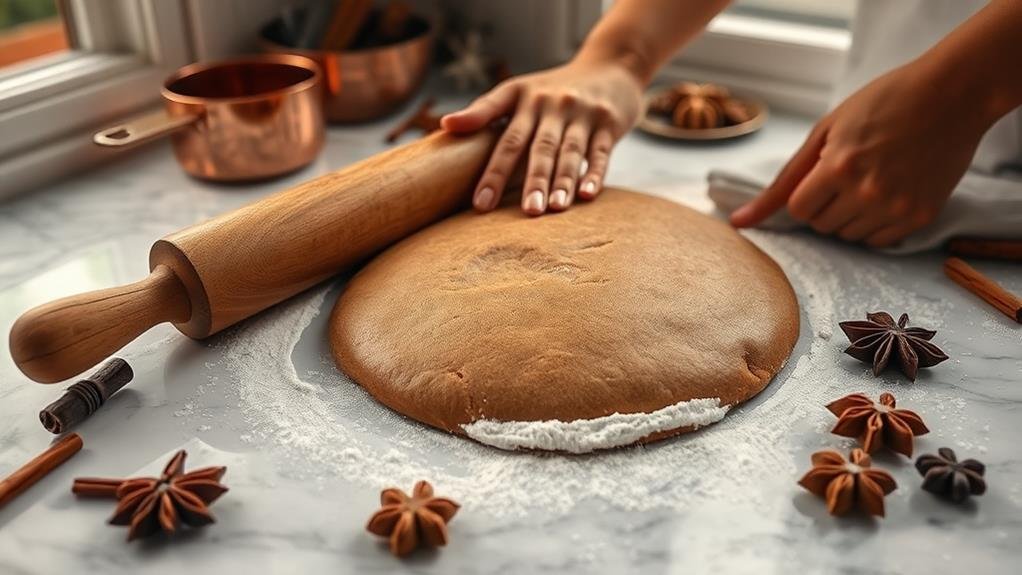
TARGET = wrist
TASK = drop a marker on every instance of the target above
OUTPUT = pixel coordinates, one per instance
(628, 56)
(976, 74)
(964, 87)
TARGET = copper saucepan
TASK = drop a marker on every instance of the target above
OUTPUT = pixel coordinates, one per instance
(236, 120)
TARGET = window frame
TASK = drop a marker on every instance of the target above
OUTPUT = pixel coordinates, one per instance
(50, 106)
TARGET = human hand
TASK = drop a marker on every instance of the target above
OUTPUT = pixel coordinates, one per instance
(562, 116)
(882, 164)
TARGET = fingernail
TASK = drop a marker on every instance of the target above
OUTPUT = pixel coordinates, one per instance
(534, 202)
(483, 199)
(589, 188)
(559, 199)
(740, 214)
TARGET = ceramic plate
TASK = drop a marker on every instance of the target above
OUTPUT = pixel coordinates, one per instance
(659, 125)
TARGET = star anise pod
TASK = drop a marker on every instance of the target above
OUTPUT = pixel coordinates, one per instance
(697, 113)
(949, 478)
(151, 504)
(409, 521)
(876, 425)
(715, 92)
(667, 100)
(878, 338)
(848, 485)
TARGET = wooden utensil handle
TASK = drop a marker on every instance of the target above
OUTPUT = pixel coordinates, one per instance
(142, 129)
(63, 338)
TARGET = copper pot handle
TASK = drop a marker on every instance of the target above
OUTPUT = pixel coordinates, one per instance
(142, 129)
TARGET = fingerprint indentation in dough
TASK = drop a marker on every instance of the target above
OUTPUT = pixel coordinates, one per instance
(592, 244)
(505, 265)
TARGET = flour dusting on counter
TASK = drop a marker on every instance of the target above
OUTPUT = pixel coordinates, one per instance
(586, 435)
(328, 429)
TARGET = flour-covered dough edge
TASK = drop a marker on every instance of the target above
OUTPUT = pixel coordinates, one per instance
(586, 435)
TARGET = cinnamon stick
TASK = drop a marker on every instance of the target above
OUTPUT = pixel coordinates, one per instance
(17, 482)
(393, 21)
(986, 248)
(84, 397)
(348, 18)
(422, 118)
(990, 291)
(95, 487)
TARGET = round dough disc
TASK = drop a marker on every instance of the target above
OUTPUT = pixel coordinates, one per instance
(584, 320)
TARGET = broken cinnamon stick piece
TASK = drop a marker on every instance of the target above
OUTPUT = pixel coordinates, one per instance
(17, 482)
(422, 118)
(86, 396)
(95, 487)
(968, 277)
(984, 248)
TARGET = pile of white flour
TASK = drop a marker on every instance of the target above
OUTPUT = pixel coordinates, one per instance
(328, 427)
(587, 435)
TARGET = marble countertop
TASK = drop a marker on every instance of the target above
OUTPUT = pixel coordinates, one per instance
(725, 499)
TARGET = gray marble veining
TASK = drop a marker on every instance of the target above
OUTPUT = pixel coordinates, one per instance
(95, 230)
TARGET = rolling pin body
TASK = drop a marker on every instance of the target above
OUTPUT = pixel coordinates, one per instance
(212, 275)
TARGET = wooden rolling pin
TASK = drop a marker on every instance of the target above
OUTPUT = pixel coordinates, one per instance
(215, 274)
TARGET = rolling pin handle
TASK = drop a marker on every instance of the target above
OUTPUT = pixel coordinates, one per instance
(61, 339)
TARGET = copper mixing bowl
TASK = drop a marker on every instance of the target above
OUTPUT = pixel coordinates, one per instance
(362, 85)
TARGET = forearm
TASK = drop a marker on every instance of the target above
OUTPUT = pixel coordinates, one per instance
(981, 59)
(642, 35)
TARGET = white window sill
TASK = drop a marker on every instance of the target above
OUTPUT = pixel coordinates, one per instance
(63, 73)
(780, 32)
(52, 137)
(66, 97)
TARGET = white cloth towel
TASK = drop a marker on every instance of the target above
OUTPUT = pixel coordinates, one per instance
(981, 206)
